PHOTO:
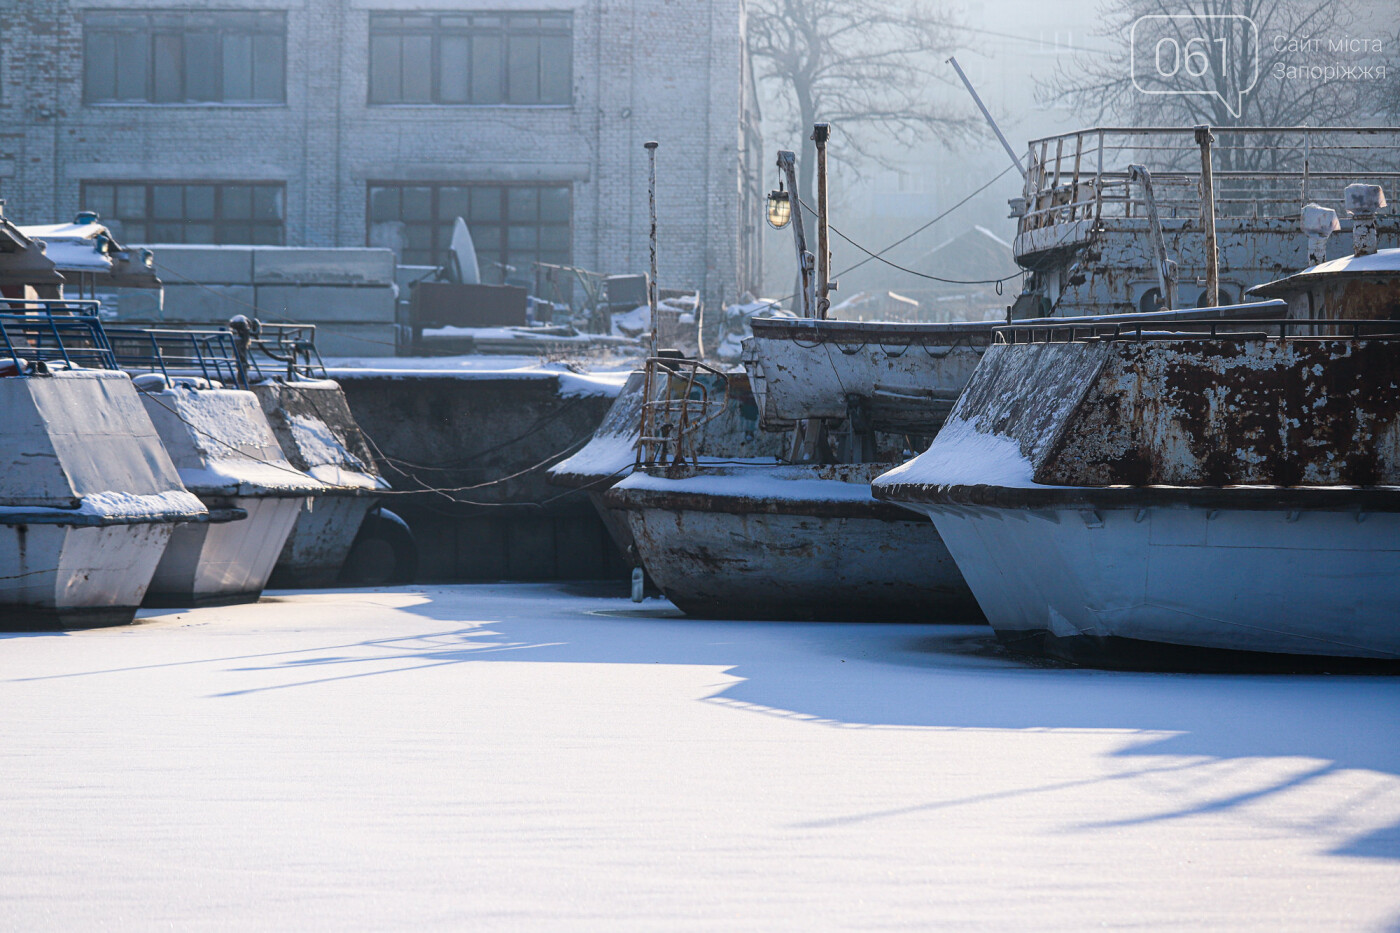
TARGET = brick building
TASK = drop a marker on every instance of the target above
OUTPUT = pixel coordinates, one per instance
(376, 122)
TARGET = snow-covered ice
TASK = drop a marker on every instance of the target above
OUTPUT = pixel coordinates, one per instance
(535, 756)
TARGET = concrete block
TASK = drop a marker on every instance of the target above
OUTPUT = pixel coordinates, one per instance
(405, 276)
(314, 304)
(207, 304)
(132, 304)
(274, 265)
(356, 340)
(211, 265)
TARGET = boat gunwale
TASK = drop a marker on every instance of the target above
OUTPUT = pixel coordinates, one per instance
(1242, 498)
(638, 500)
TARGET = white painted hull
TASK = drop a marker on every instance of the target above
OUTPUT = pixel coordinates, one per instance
(61, 576)
(1098, 585)
(224, 562)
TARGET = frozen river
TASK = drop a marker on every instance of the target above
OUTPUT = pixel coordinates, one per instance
(524, 757)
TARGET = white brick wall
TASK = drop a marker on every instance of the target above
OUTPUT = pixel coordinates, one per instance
(643, 69)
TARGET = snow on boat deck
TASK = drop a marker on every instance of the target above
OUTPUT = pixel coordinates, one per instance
(531, 756)
(601, 381)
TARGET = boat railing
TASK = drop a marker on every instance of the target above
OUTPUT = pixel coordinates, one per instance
(678, 403)
(37, 335)
(1219, 329)
(1259, 172)
(211, 354)
(291, 347)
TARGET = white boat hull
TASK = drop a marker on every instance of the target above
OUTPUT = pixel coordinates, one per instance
(225, 562)
(1130, 585)
(63, 576)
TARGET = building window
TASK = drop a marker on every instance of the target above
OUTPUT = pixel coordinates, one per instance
(478, 58)
(512, 226)
(188, 57)
(200, 212)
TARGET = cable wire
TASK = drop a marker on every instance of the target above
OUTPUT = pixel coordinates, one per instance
(922, 275)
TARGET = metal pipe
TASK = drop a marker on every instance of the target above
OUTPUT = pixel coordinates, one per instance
(1166, 269)
(651, 197)
(1015, 159)
(1204, 140)
(820, 133)
(787, 163)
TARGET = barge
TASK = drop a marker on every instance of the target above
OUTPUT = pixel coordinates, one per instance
(1184, 495)
(196, 394)
(319, 436)
(89, 498)
(798, 535)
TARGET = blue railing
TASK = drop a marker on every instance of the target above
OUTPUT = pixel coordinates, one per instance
(207, 353)
(37, 335)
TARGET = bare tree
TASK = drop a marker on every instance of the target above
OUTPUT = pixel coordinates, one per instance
(1103, 84)
(871, 64)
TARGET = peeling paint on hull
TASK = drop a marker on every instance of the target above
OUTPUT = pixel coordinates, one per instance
(743, 555)
(796, 567)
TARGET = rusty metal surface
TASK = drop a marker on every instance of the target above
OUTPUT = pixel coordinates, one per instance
(1029, 393)
(611, 453)
(905, 381)
(797, 567)
(317, 401)
(1224, 412)
(1317, 415)
(892, 333)
(1085, 234)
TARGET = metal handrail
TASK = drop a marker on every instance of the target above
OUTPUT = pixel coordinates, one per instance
(1071, 175)
(672, 414)
(291, 346)
(1220, 329)
(37, 333)
(209, 353)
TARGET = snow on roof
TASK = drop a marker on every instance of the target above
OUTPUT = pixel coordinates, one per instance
(1381, 262)
(72, 247)
(1385, 260)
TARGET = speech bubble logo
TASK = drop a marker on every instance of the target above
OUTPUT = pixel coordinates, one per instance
(1207, 55)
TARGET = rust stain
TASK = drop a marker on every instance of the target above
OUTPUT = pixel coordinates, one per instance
(1225, 412)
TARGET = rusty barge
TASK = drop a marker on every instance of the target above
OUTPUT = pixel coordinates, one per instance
(1178, 496)
(801, 537)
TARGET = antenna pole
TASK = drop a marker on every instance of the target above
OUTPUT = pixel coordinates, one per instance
(821, 132)
(651, 281)
(1015, 159)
